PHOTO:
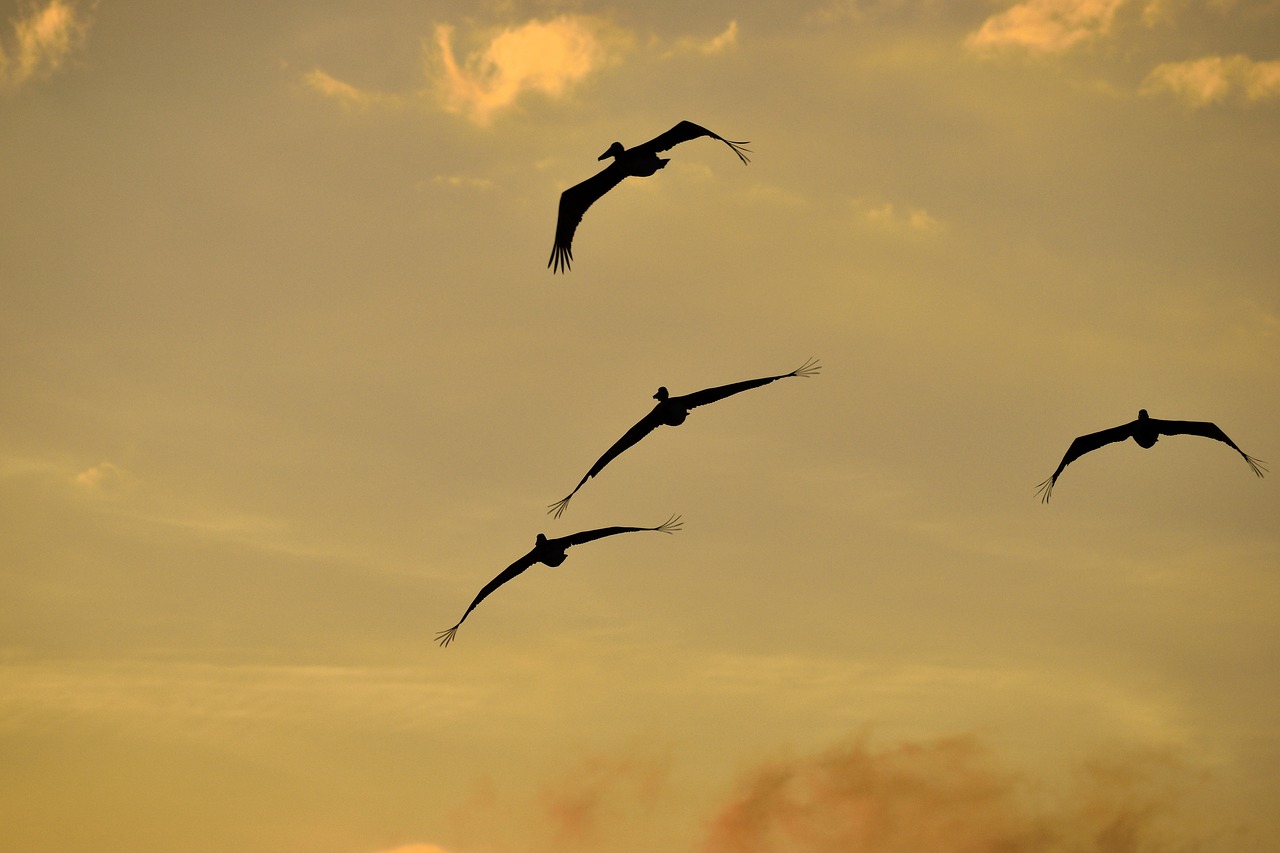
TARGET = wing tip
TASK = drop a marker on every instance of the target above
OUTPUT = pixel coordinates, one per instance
(1045, 489)
(561, 258)
(444, 638)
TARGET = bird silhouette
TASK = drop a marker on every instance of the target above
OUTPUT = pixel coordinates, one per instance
(672, 411)
(1146, 431)
(638, 162)
(550, 552)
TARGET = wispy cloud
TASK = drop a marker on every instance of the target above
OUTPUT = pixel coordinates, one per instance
(1044, 26)
(100, 476)
(943, 795)
(713, 45)
(42, 41)
(462, 182)
(546, 57)
(888, 217)
(349, 96)
(1213, 79)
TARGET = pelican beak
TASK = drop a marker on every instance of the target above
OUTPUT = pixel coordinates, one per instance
(605, 154)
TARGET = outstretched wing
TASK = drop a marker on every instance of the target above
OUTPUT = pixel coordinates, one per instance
(1080, 447)
(646, 425)
(444, 638)
(711, 395)
(1207, 430)
(671, 525)
(573, 204)
(686, 130)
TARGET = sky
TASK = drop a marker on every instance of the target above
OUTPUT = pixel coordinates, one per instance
(286, 380)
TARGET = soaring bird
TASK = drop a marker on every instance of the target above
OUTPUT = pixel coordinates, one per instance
(672, 411)
(1146, 431)
(550, 552)
(638, 162)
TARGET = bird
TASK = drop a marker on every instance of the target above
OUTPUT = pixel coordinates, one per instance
(638, 162)
(672, 411)
(550, 552)
(1146, 431)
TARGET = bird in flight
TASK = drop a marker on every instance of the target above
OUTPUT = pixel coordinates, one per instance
(1146, 431)
(550, 552)
(672, 411)
(638, 162)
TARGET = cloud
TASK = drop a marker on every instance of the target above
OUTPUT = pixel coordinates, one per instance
(888, 218)
(546, 57)
(462, 182)
(946, 796)
(415, 848)
(1045, 26)
(100, 476)
(344, 93)
(1212, 79)
(43, 41)
(713, 45)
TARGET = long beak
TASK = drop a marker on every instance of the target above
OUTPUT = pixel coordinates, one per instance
(604, 155)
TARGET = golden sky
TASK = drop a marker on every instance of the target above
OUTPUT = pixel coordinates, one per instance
(286, 381)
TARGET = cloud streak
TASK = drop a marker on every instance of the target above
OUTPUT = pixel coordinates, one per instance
(42, 41)
(714, 45)
(1214, 79)
(349, 96)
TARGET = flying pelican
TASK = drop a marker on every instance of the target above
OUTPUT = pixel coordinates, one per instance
(550, 552)
(672, 411)
(1146, 431)
(639, 162)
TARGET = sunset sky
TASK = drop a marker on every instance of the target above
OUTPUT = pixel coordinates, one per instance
(285, 380)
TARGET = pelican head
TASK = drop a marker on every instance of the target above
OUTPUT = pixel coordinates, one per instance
(614, 151)
(1142, 414)
(662, 394)
(540, 541)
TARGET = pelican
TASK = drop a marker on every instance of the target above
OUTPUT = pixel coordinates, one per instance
(550, 552)
(639, 162)
(672, 411)
(1146, 431)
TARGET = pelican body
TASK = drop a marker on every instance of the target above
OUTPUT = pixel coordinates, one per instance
(549, 552)
(1145, 431)
(642, 161)
(672, 411)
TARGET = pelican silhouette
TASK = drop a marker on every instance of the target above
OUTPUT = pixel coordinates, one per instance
(550, 552)
(672, 411)
(638, 162)
(1146, 431)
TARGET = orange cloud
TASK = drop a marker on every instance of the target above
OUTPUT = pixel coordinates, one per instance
(946, 796)
(349, 96)
(1212, 79)
(100, 476)
(43, 40)
(713, 45)
(950, 795)
(542, 57)
(1045, 26)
